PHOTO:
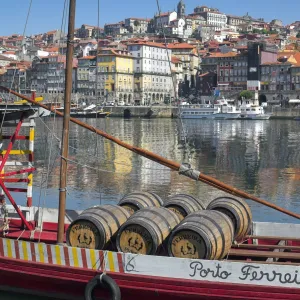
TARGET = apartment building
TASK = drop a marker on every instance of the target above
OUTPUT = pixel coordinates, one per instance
(115, 76)
(152, 73)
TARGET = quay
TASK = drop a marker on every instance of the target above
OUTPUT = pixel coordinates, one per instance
(158, 111)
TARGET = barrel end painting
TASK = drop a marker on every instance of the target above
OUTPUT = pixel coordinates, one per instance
(96, 227)
(202, 235)
(146, 231)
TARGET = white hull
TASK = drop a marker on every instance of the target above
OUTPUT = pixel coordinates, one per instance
(217, 116)
(254, 117)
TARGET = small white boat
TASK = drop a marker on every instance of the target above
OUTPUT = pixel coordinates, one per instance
(251, 110)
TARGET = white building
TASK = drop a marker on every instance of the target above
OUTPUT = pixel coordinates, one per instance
(152, 68)
(216, 19)
(164, 19)
(136, 25)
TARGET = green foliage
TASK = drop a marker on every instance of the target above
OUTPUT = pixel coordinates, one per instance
(298, 35)
(136, 23)
(246, 94)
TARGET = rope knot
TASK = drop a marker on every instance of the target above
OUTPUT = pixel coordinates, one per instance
(186, 170)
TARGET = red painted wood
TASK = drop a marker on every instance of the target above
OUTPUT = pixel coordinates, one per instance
(15, 180)
(18, 137)
(27, 224)
(73, 280)
(28, 170)
(17, 190)
(11, 143)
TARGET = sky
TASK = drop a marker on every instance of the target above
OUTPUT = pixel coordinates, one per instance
(46, 15)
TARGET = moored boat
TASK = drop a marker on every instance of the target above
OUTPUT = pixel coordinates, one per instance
(221, 110)
(252, 110)
(35, 259)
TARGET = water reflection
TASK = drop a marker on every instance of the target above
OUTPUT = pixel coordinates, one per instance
(261, 157)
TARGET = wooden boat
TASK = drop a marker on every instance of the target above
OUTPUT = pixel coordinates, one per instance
(34, 258)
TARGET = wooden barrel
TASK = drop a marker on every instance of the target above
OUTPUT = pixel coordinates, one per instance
(138, 200)
(206, 234)
(146, 230)
(183, 204)
(96, 226)
(238, 211)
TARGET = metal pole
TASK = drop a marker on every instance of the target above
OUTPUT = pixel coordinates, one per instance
(66, 124)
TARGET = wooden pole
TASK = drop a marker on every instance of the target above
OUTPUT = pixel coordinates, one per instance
(66, 125)
(163, 161)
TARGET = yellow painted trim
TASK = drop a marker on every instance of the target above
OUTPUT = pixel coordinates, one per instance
(30, 178)
(24, 248)
(17, 152)
(57, 254)
(93, 259)
(75, 257)
(9, 248)
(31, 134)
(41, 252)
(111, 261)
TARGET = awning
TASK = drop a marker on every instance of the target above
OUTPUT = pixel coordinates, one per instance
(294, 101)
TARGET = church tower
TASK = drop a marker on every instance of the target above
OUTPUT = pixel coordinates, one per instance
(180, 10)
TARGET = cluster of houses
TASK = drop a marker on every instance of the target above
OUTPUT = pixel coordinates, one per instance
(172, 55)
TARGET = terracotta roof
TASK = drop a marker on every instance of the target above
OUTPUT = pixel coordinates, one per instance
(150, 44)
(51, 32)
(175, 60)
(204, 74)
(87, 57)
(180, 46)
(229, 54)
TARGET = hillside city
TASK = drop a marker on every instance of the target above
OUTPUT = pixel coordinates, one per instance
(173, 55)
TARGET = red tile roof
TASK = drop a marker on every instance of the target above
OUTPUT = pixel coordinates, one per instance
(180, 46)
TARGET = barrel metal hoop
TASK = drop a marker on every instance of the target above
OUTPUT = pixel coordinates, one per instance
(208, 249)
(94, 220)
(220, 230)
(143, 194)
(186, 170)
(163, 217)
(112, 215)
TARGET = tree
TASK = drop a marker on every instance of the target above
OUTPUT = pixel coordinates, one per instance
(136, 23)
(246, 94)
(298, 35)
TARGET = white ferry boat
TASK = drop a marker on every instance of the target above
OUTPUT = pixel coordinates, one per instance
(251, 110)
(221, 110)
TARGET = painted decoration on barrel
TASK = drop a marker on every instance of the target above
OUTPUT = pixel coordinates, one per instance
(136, 239)
(84, 235)
(188, 245)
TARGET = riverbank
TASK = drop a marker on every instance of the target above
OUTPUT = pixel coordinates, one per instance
(172, 112)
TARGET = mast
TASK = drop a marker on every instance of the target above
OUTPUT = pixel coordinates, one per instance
(66, 124)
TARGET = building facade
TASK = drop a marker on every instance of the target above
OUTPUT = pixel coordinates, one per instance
(152, 68)
(115, 76)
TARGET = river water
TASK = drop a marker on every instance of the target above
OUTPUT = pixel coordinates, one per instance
(259, 157)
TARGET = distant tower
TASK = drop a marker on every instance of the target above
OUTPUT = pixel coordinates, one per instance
(180, 10)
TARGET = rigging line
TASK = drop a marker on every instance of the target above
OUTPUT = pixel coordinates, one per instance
(46, 179)
(174, 87)
(97, 49)
(13, 78)
(112, 161)
(102, 170)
